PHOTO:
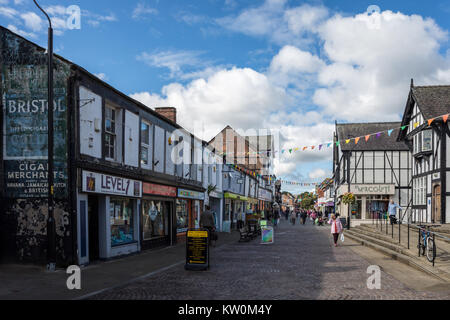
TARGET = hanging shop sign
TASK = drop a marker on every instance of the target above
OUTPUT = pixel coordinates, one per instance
(160, 190)
(189, 194)
(264, 194)
(214, 194)
(229, 195)
(197, 250)
(94, 182)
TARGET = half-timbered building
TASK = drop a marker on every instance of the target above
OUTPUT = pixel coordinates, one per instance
(428, 136)
(375, 171)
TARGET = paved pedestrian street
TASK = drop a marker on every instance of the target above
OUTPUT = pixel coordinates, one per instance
(301, 264)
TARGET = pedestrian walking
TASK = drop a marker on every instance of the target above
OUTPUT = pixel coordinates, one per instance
(336, 228)
(392, 211)
(207, 222)
(304, 216)
(293, 217)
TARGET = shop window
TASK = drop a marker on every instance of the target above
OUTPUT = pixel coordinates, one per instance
(182, 215)
(121, 213)
(110, 133)
(155, 220)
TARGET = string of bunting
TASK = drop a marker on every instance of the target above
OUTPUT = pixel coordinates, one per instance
(366, 137)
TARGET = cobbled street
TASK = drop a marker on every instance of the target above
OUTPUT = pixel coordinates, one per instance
(301, 264)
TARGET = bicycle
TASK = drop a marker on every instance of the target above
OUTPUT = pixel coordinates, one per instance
(426, 242)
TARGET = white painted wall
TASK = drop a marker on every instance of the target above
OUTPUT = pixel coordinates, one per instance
(132, 129)
(90, 123)
(159, 149)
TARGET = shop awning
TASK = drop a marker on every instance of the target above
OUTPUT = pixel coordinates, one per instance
(229, 195)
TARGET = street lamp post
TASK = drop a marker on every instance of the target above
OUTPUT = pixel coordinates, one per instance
(51, 226)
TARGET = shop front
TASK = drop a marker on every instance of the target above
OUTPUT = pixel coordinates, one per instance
(157, 215)
(252, 209)
(215, 202)
(108, 218)
(372, 201)
(265, 199)
(235, 209)
(189, 206)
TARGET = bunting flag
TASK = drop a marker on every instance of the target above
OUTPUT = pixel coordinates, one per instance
(356, 139)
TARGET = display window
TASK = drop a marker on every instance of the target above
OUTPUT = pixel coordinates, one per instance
(155, 219)
(121, 212)
(182, 212)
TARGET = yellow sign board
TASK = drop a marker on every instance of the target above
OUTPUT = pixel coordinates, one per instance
(198, 234)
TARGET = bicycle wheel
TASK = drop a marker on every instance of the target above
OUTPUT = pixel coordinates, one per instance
(430, 249)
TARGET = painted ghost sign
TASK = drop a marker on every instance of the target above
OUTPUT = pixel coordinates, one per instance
(25, 141)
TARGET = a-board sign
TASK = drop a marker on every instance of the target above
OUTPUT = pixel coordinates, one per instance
(266, 235)
(197, 249)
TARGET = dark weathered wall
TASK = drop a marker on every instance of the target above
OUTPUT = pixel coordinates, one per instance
(23, 202)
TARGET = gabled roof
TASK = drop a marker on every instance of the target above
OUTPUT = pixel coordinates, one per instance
(384, 142)
(433, 101)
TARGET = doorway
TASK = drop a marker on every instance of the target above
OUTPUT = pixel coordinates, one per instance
(93, 228)
(436, 208)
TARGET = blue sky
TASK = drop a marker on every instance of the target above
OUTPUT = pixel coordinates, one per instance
(296, 66)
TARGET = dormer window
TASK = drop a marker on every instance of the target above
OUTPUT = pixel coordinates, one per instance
(423, 141)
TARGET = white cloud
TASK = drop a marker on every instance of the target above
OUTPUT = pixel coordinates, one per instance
(21, 32)
(8, 12)
(242, 98)
(142, 10)
(357, 70)
(318, 174)
(173, 60)
(101, 76)
(275, 20)
(32, 21)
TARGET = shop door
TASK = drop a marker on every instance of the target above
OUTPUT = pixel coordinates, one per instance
(93, 228)
(436, 216)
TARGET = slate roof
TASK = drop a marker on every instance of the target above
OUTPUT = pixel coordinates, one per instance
(384, 142)
(433, 101)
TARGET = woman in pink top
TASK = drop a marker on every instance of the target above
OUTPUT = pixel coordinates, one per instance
(336, 228)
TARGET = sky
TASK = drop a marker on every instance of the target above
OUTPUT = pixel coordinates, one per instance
(294, 67)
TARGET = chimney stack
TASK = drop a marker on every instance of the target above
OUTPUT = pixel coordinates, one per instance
(168, 112)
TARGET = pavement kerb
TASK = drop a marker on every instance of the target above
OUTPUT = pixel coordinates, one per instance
(400, 257)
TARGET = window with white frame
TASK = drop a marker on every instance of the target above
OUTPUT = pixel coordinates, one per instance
(145, 144)
(110, 133)
(423, 141)
(420, 191)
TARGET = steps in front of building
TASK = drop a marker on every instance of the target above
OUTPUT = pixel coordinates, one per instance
(413, 233)
(370, 237)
